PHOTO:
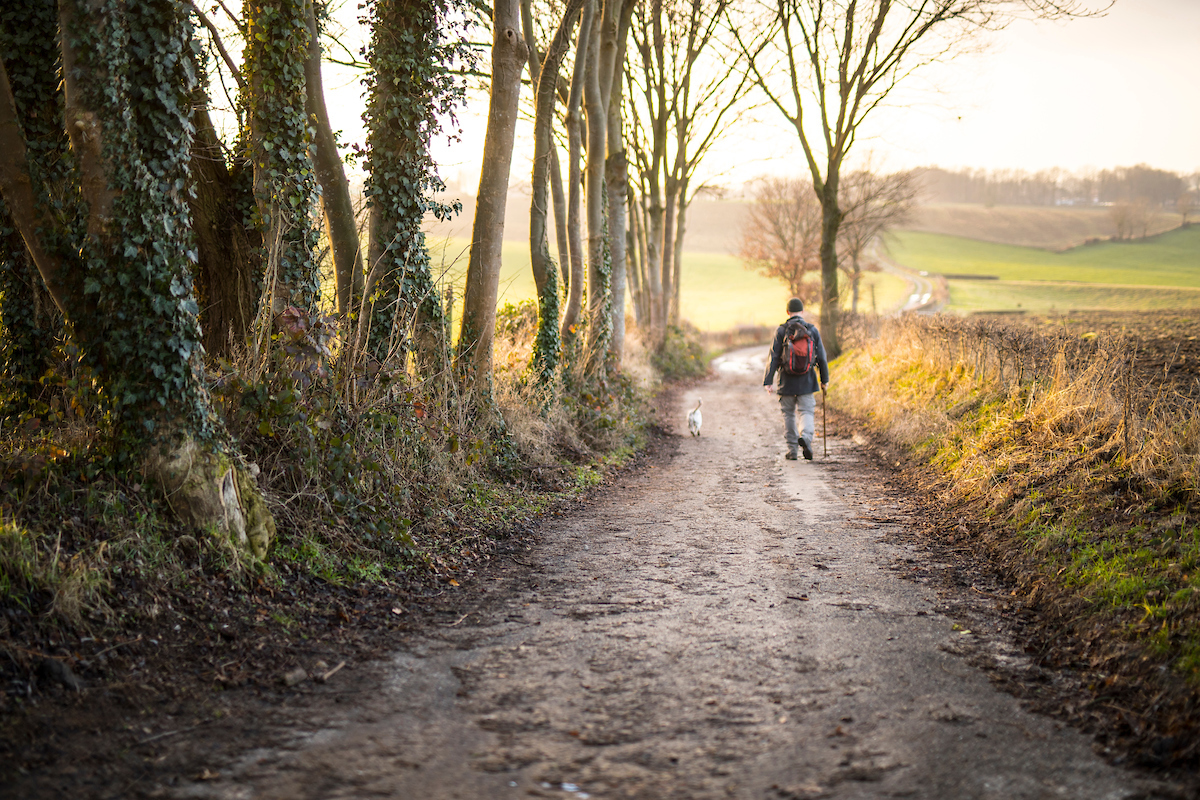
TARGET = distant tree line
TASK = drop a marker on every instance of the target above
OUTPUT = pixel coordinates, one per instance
(1053, 187)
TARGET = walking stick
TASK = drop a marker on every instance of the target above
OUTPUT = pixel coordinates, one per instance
(824, 425)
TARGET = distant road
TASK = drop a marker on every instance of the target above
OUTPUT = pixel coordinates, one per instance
(921, 296)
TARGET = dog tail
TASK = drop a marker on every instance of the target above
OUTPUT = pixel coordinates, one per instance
(698, 402)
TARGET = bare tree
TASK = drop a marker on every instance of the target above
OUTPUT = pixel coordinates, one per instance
(1129, 218)
(781, 237)
(649, 126)
(1121, 215)
(684, 92)
(1185, 205)
(838, 61)
(873, 204)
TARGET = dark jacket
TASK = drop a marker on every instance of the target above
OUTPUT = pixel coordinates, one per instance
(797, 384)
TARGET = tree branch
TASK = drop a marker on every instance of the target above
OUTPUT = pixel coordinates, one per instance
(220, 45)
(16, 185)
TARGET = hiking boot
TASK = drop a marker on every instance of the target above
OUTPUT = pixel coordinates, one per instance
(806, 449)
(791, 455)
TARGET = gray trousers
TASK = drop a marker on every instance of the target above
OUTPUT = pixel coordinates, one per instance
(788, 403)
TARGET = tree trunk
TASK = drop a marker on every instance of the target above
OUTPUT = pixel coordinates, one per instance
(227, 251)
(633, 269)
(126, 287)
(617, 174)
(617, 178)
(667, 263)
(30, 325)
(475, 342)
(545, 273)
(575, 175)
(677, 254)
(32, 132)
(401, 117)
(831, 220)
(599, 288)
(653, 261)
(559, 199)
(340, 222)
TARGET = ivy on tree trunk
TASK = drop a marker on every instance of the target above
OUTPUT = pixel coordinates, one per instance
(285, 189)
(126, 285)
(408, 87)
(545, 273)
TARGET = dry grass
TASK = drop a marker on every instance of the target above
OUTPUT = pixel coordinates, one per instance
(72, 584)
(1076, 474)
(1082, 473)
(1003, 389)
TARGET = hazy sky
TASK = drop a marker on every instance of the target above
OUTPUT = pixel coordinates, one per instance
(1113, 91)
(1117, 90)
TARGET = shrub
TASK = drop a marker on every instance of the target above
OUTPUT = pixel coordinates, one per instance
(680, 355)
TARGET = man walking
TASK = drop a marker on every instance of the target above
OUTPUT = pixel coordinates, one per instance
(797, 355)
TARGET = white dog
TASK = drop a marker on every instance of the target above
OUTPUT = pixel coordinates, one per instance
(695, 420)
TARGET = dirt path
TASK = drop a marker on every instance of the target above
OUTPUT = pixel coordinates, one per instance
(726, 624)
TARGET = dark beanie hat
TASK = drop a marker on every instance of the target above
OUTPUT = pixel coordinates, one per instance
(795, 304)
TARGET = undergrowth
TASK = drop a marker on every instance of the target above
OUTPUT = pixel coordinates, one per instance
(1080, 472)
(374, 478)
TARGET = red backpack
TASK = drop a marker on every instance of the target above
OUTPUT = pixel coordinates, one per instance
(799, 348)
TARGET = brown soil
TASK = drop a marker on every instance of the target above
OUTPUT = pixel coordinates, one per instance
(1166, 343)
(715, 622)
(1052, 228)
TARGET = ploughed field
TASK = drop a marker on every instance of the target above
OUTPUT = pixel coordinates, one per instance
(1167, 342)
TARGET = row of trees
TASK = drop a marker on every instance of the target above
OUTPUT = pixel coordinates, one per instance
(1155, 187)
(158, 243)
(137, 234)
(691, 65)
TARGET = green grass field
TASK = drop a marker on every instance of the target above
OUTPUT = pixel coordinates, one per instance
(1171, 259)
(1159, 273)
(1050, 296)
(717, 293)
